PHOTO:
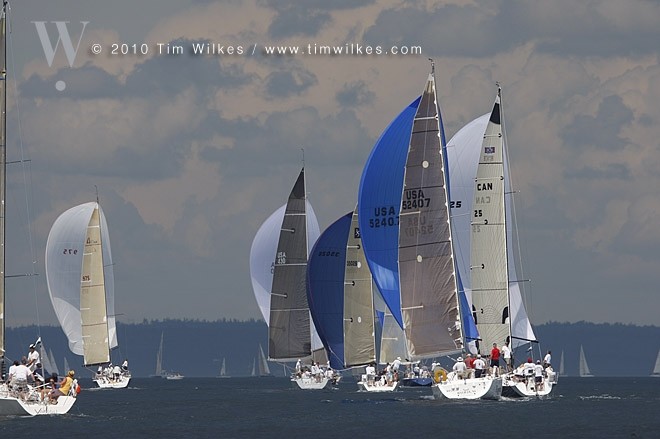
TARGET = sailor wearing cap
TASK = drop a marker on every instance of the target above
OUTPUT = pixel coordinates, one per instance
(33, 358)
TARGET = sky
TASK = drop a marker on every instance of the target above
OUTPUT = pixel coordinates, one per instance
(191, 153)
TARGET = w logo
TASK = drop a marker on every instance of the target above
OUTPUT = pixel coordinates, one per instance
(63, 37)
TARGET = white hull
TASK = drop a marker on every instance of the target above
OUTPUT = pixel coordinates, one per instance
(311, 383)
(106, 383)
(526, 387)
(471, 388)
(376, 386)
(31, 406)
(174, 377)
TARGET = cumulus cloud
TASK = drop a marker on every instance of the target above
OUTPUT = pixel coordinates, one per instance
(191, 153)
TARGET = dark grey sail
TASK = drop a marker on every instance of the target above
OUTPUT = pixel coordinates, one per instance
(289, 328)
(429, 300)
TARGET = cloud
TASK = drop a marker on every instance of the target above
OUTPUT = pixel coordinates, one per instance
(601, 131)
(600, 28)
(281, 84)
(355, 94)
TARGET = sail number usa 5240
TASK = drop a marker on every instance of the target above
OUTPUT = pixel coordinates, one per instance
(385, 216)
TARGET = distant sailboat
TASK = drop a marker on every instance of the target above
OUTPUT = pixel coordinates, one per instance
(656, 369)
(223, 370)
(254, 367)
(562, 372)
(159, 372)
(53, 363)
(264, 370)
(81, 285)
(584, 367)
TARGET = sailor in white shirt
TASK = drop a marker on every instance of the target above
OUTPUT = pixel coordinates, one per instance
(33, 358)
(460, 368)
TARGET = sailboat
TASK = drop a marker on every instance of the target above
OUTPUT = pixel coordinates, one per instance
(656, 369)
(487, 253)
(584, 367)
(223, 370)
(406, 232)
(81, 286)
(278, 265)
(340, 294)
(562, 371)
(160, 372)
(264, 369)
(27, 401)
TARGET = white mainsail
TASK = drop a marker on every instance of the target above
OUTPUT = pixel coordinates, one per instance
(464, 152)
(562, 371)
(159, 357)
(81, 283)
(656, 369)
(584, 367)
(264, 370)
(488, 256)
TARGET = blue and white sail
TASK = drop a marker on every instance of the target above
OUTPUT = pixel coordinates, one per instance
(406, 229)
(379, 203)
(340, 294)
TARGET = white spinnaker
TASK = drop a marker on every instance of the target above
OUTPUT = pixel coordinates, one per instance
(64, 258)
(463, 152)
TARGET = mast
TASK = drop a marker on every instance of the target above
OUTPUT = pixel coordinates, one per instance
(3, 176)
(506, 241)
(468, 328)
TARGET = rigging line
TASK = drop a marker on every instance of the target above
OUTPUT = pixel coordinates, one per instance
(526, 293)
(28, 192)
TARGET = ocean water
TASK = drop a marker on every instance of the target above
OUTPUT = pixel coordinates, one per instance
(274, 408)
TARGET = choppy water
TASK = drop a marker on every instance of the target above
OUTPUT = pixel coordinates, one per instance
(273, 407)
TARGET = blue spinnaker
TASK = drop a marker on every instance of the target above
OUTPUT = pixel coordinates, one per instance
(379, 202)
